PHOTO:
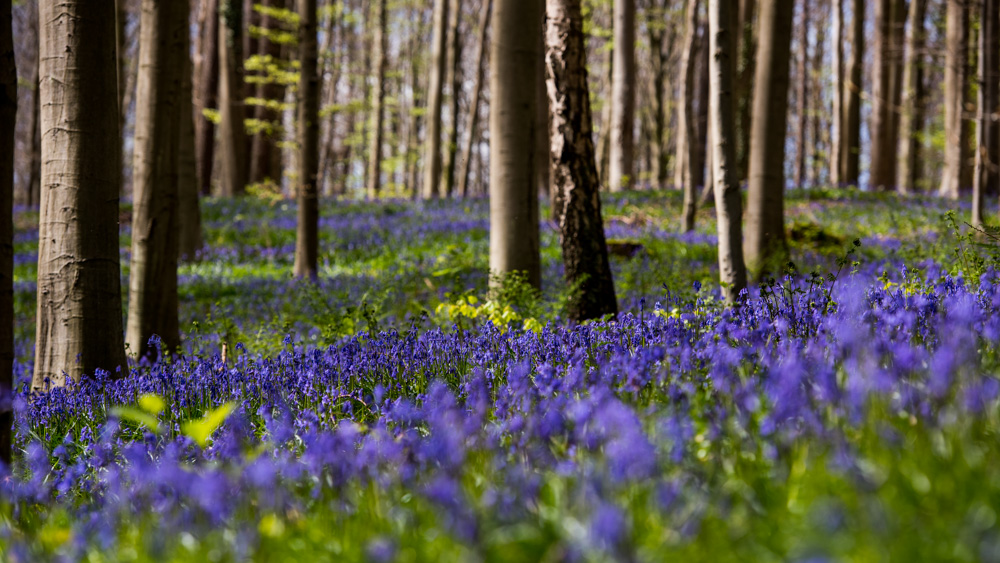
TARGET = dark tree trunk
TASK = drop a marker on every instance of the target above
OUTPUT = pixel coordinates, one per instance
(8, 122)
(189, 239)
(207, 95)
(34, 186)
(987, 139)
(913, 100)
(477, 87)
(232, 111)
(851, 139)
(574, 168)
(307, 236)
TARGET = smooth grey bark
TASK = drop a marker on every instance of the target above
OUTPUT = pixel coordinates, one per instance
(232, 110)
(206, 96)
(381, 44)
(746, 67)
(514, 53)
(913, 101)
(79, 317)
(477, 87)
(435, 94)
(621, 174)
(8, 126)
(574, 167)
(986, 171)
(307, 194)
(837, 115)
(728, 201)
(851, 138)
(956, 128)
(765, 246)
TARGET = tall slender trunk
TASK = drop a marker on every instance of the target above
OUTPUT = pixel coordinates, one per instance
(378, 96)
(514, 53)
(435, 87)
(987, 139)
(454, 81)
(912, 104)
(543, 148)
(817, 110)
(416, 117)
(956, 152)
(8, 126)
(837, 130)
(34, 186)
(477, 86)
(232, 133)
(698, 140)
(885, 122)
(728, 202)
(802, 95)
(851, 138)
(621, 172)
(659, 49)
(206, 96)
(189, 239)
(765, 246)
(79, 318)
(685, 104)
(265, 157)
(333, 67)
(574, 168)
(307, 233)
(604, 135)
(746, 66)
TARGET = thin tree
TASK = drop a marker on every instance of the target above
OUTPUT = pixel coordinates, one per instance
(34, 186)
(206, 96)
(956, 129)
(381, 43)
(155, 223)
(620, 174)
(232, 133)
(837, 115)
(887, 71)
(728, 202)
(453, 78)
(477, 87)
(189, 239)
(435, 93)
(8, 125)
(514, 52)
(851, 138)
(802, 96)
(765, 246)
(307, 232)
(79, 318)
(574, 167)
(987, 173)
(746, 66)
(912, 103)
(684, 160)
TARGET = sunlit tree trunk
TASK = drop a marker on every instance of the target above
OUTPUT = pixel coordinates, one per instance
(8, 123)
(956, 129)
(987, 139)
(851, 138)
(728, 202)
(514, 52)
(307, 233)
(621, 171)
(232, 133)
(574, 168)
(435, 93)
(378, 100)
(912, 111)
(477, 86)
(765, 246)
(79, 318)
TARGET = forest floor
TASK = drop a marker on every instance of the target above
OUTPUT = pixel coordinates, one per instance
(394, 410)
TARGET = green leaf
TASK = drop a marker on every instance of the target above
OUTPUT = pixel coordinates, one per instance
(137, 416)
(152, 403)
(202, 429)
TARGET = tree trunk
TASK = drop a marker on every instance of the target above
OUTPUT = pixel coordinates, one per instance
(35, 143)
(728, 202)
(574, 168)
(659, 48)
(514, 52)
(381, 61)
(543, 147)
(851, 138)
(416, 117)
(153, 273)
(802, 95)
(189, 241)
(307, 233)
(621, 175)
(454, 81)
(685, 155)
(435, 92)
(334, 29)
(765, 247)
(987, 140)
(885, 132)
(699, 151)
(473, 119)
(8, 126)
(232, 133)
(604, 135)
(912, 111)
(79, 319)
(265, 157)
(837, 130)
(745, 68)
(817, 105)
(206, 96)
(956, 153)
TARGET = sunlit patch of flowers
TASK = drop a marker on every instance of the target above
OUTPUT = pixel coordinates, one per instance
(501, 315)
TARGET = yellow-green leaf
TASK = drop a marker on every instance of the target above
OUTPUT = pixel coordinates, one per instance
(202, 429)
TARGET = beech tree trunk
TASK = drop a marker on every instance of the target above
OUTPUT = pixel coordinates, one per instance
(307, 232)
(8, 123)
(685, 155)
(477, 86)
(156, 168)
(956, 129)
(206, 96)
(514, 53)
(765, 246)
(378, 97)
(574, 167)
(802, 95)
(987, 139)
(232, 133)
(911, 116)
(837, 130)
(728, 201)
(885, 132)
(79, 318)
(189, 241)
(453, 66)
(35, 167)
(621, 172)
(745, 68)
(851, 138)
(435, 93)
